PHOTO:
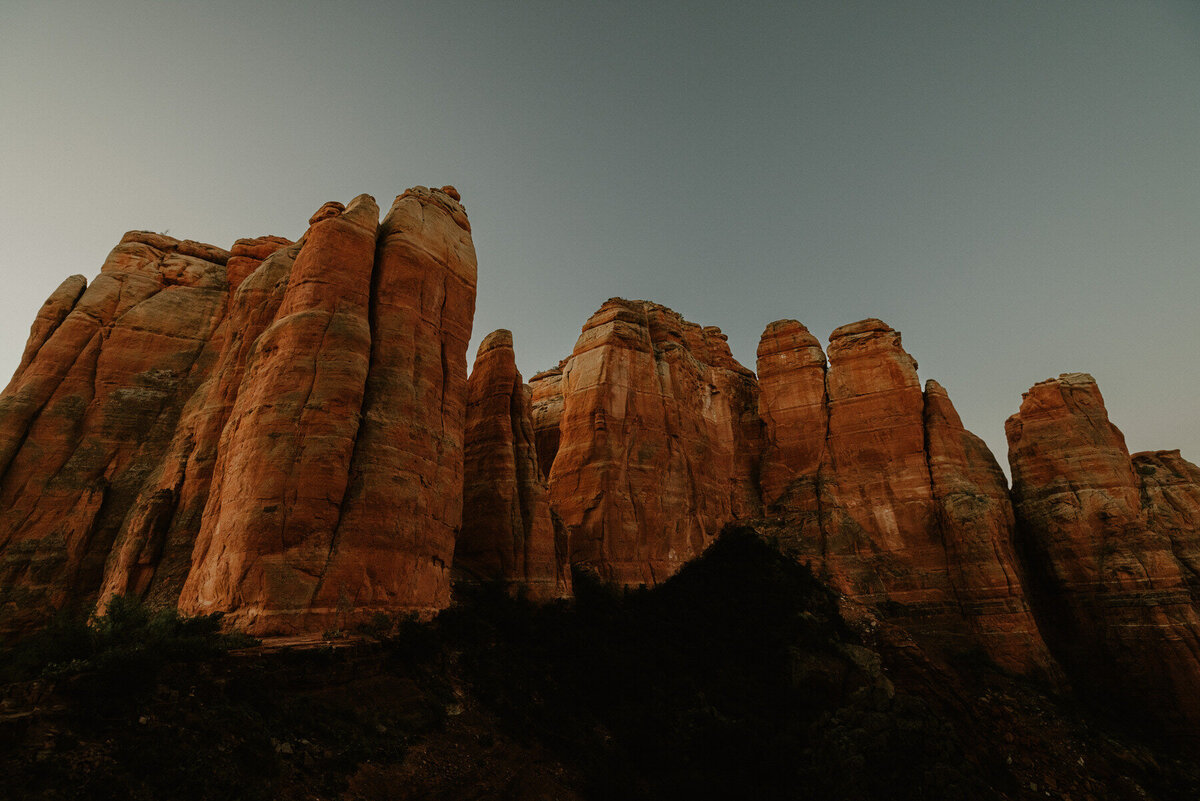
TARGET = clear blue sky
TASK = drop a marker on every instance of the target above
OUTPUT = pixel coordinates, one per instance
(1013, 185)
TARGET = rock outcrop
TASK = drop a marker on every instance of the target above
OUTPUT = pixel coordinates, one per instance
(652, 459)
(285, 433)
(886, 494)
(509, 534)
(284, 466)
(1113, 591)
(152, 555)
(1170, 488)
(274, 432)
(87, 418)
(546, 399)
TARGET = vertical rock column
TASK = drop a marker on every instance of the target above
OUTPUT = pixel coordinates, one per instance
(1111, 592)
(282, 474)
(91, 410)
(152, 553)
(793, 407)
(888, 496)
(977, 526)
(1170, 488)
(403, 506)
(508, 534)
(647, 469)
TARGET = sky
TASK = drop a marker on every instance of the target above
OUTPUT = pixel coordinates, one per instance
(1015, 186)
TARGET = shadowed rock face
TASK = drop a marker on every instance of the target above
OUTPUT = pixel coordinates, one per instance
(653, 457)
(1170, 488)
(1111, 552)
(887, 495)
(546, 399)
(275, 433)
(508, 533)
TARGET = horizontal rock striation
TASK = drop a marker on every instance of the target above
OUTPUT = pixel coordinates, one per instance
(285, 432)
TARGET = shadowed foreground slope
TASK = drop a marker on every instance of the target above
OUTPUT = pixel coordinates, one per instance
(739, 677)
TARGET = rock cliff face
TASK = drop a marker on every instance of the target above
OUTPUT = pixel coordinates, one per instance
(1111, 550)
(275, 433)
(546, 398)
(90, 412)
(653, 457)
(1170, 488)
(508, 532)
(285, 432)
(887, 495)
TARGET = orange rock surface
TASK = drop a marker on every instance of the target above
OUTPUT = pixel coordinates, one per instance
(649, 468)
(403, 505)
(887, 495)
(508, 533)
(1171, 497)
(547, 406)
(1111, 594)
(284, 464)
(793, 407)
(92, 409)
(275, 433)
(152, 555)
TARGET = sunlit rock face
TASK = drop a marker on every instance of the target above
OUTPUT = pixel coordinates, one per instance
(1111, 544)
(657, 441)
(274, 432)
(87, 418)
(509, 534)
(1170, 489)
(877, 484)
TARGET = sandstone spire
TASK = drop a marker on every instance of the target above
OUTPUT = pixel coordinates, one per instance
(1113, 595)
(508, 533)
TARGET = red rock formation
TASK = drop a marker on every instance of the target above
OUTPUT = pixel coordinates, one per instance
(278, 487)
(1111, 593)
(648, 469)
(152, 555)
(793, 406)
(403, 506)
(1171, 496)
(247, 254)
(887, 495)
(976, 525)
(508, 533)
(91, 411)
(276, 434)
(547, 407)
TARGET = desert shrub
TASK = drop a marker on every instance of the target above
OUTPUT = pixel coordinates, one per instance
(126, 645)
